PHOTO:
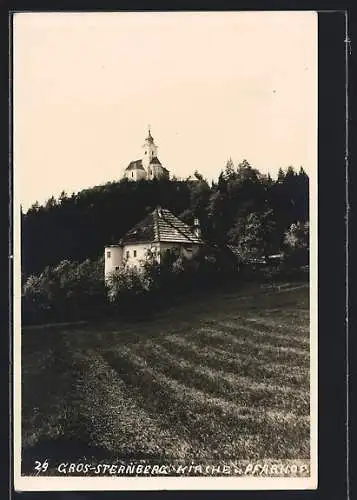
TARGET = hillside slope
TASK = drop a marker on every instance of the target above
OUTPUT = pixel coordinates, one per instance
(222, 378)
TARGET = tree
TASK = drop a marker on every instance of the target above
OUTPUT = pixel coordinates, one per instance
(281, 176)
(34, 207)
(229, 169)
(198, 176)
(246, 172)
(50, 203)
(256, 237)
(63, 198)
(296, 244)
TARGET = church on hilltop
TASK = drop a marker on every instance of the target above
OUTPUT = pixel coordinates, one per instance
(149, 166)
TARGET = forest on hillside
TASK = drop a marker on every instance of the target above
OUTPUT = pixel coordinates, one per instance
(243, 206)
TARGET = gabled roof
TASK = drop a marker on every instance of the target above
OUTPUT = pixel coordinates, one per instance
(161, 226)
(135, 165)
(155, 160)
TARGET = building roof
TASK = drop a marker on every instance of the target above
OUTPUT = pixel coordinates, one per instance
(161, 226)
(155, 160)
(135, 165)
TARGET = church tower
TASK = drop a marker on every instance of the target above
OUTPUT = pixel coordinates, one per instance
(150, 153)
(149, 166)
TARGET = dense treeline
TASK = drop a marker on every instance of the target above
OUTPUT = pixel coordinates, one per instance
(242, 207)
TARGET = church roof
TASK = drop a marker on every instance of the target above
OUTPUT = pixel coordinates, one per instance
(135, 165)
(155, 160)
(161, 226)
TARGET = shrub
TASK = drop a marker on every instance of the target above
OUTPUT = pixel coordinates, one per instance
(126, 289)
(66, 292)
(296, 245)
(71, 291)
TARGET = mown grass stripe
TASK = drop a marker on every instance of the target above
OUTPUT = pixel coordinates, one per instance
(209, 419)
(293, 329)
(296, 329)
(231, 386)
(224, 338)
(224, 330)
(118, 423)
(264, 336)
(245, 364)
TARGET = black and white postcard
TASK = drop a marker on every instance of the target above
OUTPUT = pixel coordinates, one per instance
(165, 250)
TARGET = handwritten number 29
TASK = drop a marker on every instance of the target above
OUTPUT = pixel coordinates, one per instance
(41, 466)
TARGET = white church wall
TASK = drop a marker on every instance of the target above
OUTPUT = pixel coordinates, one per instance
(140, 174)
(113, 259)
(134, 254)
(135, 175)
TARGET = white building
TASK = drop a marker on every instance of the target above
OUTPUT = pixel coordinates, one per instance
(149, 166)
(158, 232)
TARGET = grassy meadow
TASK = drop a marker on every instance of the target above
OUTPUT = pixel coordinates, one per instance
(219, 377)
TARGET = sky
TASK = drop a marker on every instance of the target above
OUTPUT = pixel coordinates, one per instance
(211, 85)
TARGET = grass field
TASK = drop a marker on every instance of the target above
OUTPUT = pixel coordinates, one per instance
(219, 377)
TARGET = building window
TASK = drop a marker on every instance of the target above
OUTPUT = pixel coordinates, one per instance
(132, 174)
(116, 268)
(108, 254)
(134, 253)
(127, 254)
(146, 152)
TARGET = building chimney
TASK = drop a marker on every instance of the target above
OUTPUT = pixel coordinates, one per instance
(197, 228)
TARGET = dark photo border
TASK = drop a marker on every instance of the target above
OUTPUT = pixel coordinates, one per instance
(332, 206)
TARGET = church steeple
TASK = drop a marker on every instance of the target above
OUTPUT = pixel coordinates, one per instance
(150, 152)
(149, 137)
